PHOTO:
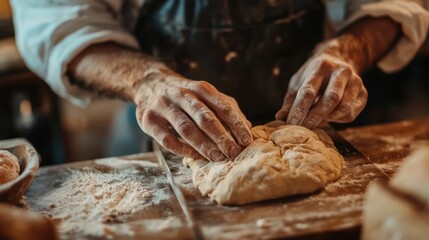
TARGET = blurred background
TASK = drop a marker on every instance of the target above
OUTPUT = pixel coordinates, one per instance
(62, 132)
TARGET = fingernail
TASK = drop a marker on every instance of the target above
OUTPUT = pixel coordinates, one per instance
(310, 124)
(281, 115)
(234, 151)
(293, 121)
(246, 140)
(217, 155)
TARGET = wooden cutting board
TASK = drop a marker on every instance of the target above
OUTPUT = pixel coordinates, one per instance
(334, 212)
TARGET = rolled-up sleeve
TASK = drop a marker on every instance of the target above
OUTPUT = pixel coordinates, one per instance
(414, 20)
(50, 33)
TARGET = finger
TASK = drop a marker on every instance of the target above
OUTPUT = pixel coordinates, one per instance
(235, 105)
(287, 104)
(346, 108)
(187, 129)
(139, 117)
(290, 96)
(305, 97)
(359, 104)
(361, 100)
(331, 98)
(161, 130)
(207, 122)
(225, 112)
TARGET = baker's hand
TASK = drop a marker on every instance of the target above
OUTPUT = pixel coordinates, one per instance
(209, 123)
(326, 87)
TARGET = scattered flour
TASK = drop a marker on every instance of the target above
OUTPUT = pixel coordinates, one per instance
(88, 202)
(119, 163)
(388, 167)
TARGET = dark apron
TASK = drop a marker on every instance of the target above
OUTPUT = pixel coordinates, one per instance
(247, 49)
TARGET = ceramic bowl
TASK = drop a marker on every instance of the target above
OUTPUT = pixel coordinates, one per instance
(29, 160)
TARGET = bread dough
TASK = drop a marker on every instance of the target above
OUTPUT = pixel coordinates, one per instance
(9, 166)
(281, 161)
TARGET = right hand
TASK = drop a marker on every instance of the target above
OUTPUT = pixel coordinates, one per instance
(209, 122)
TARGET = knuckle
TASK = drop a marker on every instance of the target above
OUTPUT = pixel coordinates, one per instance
(298, 110)
(333, 97)
(347, 70)
(192, 102)
(203, 86)
(224, 108)
(356, 79)
(206, 119)
(224, 140)
(184, 127)
(308, 91)
(227, 145)
(148, 117)
(160, 101)
(167, 141)
(325, 63)
(205, 149)
(174, 92)
(239, 126)
(338, 83)
(345, 109)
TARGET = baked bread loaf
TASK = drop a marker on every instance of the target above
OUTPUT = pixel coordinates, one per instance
(400, 209)
(9, 166)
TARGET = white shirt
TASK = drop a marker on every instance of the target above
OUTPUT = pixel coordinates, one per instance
(50, 33)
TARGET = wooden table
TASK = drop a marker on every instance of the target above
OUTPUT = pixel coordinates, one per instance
(333, 213)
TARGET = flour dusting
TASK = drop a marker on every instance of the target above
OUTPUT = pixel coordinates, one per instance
(119, 163)
(93, 203)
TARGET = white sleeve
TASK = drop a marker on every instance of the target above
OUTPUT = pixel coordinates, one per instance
(414, 20)
(50, 33)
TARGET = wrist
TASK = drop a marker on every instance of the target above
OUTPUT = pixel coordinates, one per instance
(346, 48)
(154, 81)
(116, 71)
(362, 44)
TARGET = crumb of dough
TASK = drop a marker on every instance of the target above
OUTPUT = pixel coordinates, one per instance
(262, 223)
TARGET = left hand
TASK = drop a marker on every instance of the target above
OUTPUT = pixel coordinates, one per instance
(326, 87)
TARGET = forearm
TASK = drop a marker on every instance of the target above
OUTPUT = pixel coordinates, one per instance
(115, 71)
(363, 43)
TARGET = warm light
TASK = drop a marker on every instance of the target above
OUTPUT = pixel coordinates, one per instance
(26, 113)
(25, 108)
(5, 12)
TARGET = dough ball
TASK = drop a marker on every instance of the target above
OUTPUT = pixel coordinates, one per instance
(9, 166)
(282, 160)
